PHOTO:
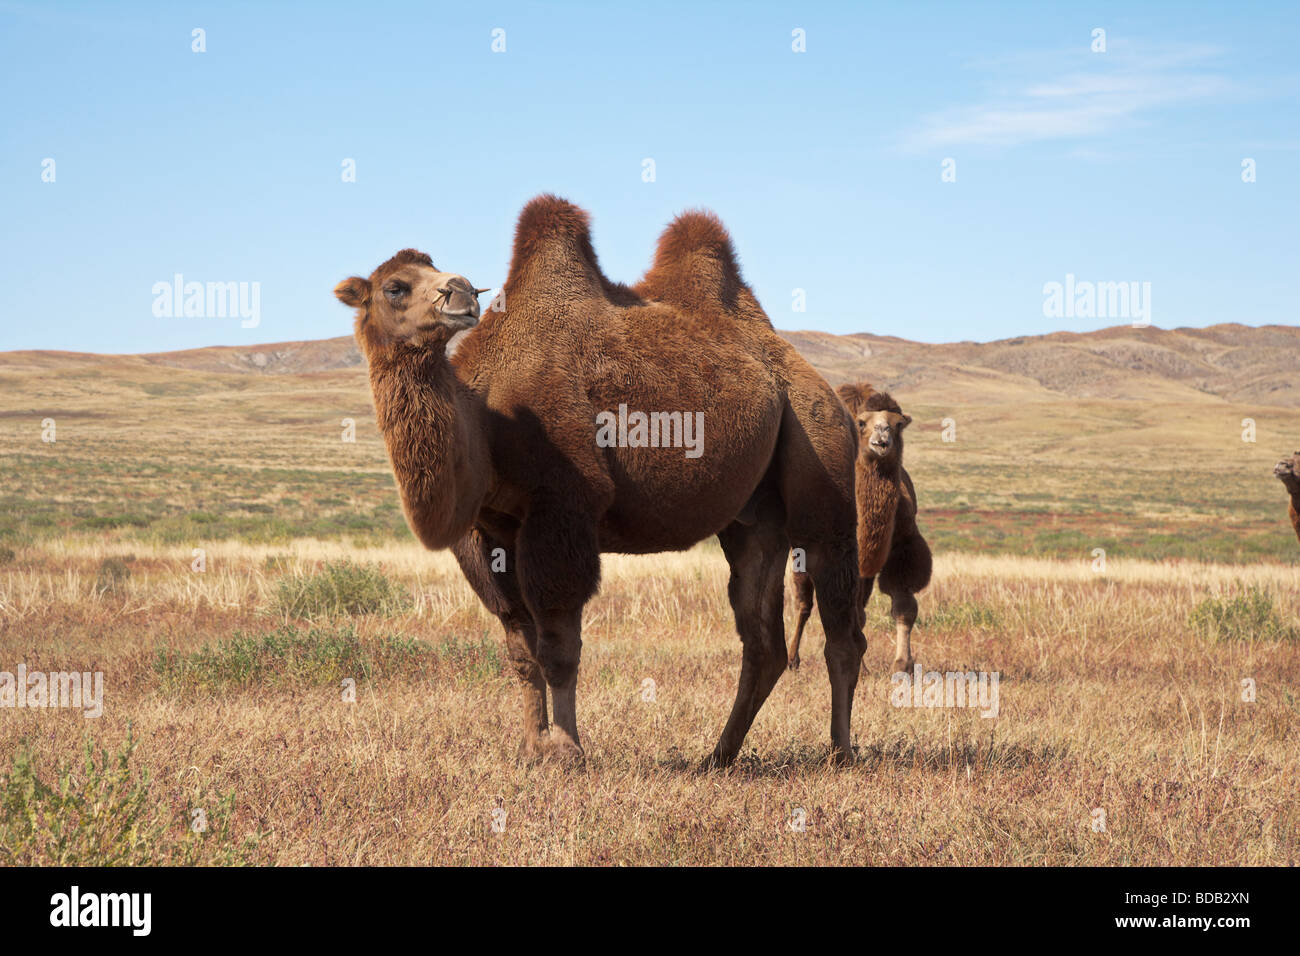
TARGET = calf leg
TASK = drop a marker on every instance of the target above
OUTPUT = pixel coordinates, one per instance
(803, 598)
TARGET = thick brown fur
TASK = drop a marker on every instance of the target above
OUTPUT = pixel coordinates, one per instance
(1288, 470)
(891, 547)
(496, 456)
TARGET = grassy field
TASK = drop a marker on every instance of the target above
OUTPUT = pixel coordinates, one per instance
(1121, 691)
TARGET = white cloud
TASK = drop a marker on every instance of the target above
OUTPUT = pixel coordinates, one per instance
(1099, 94)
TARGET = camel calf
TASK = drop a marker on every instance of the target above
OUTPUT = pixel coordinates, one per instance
(889, 543)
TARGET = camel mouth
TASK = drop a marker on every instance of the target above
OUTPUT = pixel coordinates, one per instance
(462, 319)
(1284, 469)
(880, 446)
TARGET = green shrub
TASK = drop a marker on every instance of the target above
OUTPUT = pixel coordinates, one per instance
(277, 563)
(963, 615)
(1249, 616)
(286, 656)
(102, 815)
(340, 588)
(7, 555)
(469, 659)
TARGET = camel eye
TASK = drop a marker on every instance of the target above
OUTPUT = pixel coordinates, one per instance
(395, 290)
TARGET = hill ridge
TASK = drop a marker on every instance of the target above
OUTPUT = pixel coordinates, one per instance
(1230, 362)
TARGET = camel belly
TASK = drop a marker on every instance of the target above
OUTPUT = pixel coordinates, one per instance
(671, 496)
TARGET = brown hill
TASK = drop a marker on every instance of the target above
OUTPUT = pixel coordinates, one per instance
(1232, 363)
(1235, 363)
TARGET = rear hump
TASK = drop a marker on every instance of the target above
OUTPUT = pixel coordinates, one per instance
(695, 265)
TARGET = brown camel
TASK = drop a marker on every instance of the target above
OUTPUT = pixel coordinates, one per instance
(889, 542)
(1288, 469)
(498, 452)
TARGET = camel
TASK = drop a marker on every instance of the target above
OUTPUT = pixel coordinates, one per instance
(497, 455)
(889, 543)
(1288, 469)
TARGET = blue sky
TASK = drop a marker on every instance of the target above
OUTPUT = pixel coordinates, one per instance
(226, 165)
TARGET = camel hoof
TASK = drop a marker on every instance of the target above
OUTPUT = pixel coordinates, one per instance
(564, 752)
(904, 664)
(843, 758)
(716, 761)
(533, 749)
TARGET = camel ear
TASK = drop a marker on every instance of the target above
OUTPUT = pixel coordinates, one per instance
(906, 420)
(354, 292)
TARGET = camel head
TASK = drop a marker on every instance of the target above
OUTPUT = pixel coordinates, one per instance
(407, 299)
(1288, 470)
(882, 433)
(880, 422)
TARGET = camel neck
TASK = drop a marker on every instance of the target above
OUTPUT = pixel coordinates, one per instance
(433, 429)
(878, 489)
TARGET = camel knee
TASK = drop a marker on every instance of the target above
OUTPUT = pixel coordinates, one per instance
(525, 667)
(772, 666)
(846, 651)
(559, 648)
(904, 609)
(558, 662)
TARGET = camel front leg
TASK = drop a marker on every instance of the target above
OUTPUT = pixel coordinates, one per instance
(559, 650)
(489, 566)
(559, 570)
(521, 645)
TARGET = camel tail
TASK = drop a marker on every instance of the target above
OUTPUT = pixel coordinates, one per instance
(553, 249)
(695, 265)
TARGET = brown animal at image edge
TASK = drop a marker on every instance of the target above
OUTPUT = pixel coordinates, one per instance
(1288, 470)
(495, 455)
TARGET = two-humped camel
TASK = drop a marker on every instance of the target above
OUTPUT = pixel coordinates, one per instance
(890, 545)
(497, 448)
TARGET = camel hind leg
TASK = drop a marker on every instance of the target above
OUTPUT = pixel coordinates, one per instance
(803, 599)
(832, 567)
(757, 555)
(815, 458)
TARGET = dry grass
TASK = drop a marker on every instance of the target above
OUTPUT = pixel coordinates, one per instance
(1108, 700)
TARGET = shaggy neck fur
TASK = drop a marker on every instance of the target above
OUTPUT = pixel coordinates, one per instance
(878, 488)
(433, 427)
(1295, 512)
